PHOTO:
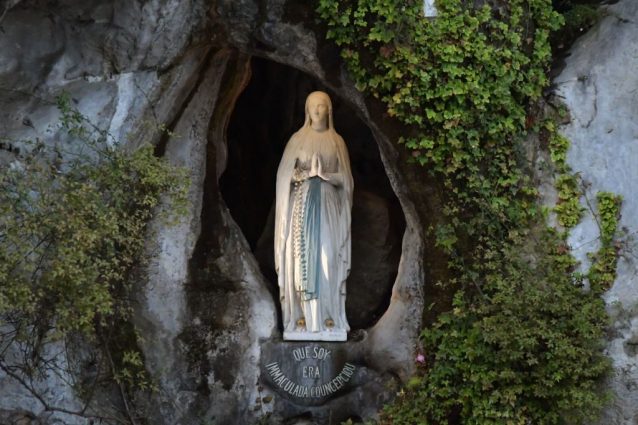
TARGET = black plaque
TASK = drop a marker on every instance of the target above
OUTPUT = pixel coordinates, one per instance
(307, 373)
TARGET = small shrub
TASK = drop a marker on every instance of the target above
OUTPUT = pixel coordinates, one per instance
(72, 226)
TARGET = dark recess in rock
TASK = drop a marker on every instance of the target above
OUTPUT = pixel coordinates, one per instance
(267, 113)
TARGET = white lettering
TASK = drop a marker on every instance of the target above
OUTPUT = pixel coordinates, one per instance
(310, 372)
(320, 353)
(301, 353)
(323, 390)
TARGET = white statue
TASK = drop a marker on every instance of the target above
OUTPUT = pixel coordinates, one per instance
(312, 228)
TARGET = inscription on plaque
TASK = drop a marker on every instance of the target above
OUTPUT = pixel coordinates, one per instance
(308, 372)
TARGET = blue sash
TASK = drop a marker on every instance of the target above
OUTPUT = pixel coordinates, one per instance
(311, 241)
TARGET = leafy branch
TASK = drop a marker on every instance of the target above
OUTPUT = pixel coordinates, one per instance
(73, 222)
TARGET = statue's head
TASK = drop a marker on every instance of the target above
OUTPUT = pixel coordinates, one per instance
(319, 111)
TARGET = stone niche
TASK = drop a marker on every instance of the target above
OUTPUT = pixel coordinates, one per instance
(327, 382)
(267, 113)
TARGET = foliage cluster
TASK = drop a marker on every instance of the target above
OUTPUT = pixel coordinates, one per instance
(602, 272)
(462, 84)
(72, 226)
(461, 81)
(523, 341)
(568, 210)
(531, 354)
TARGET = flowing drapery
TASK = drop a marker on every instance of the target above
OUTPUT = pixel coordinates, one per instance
(312, 231)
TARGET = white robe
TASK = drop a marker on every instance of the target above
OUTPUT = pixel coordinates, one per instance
(326, 310)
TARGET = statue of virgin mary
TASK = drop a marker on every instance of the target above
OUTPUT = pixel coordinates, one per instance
(312, 228)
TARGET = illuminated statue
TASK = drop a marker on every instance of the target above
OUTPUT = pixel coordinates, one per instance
(312, 228)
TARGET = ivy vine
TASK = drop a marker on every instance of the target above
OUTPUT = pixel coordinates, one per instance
(522, 343)
(602, 272)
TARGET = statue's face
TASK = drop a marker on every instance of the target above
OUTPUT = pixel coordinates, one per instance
(318, 110)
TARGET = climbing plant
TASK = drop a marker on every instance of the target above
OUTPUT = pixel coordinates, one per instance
(568, 209)
(461, 83)
(602, 272)
(522, 343)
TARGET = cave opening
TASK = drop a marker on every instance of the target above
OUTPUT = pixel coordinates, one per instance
(267, 113)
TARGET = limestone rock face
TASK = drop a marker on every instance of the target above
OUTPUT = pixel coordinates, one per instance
(599, 85)
(205, 306)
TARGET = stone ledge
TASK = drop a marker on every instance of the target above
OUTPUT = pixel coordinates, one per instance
(338, 335)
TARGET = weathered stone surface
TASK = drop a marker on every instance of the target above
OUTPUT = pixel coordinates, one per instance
(163, 310)
(262, 27)
(57, 401)
(111, 59)
(598, 85)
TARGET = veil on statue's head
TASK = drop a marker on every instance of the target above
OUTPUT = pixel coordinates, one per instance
(325, 96)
